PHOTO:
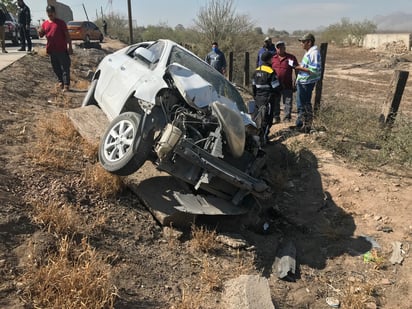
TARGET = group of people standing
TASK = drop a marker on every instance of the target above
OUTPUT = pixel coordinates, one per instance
(58, 47)
(24, 20)
(277, 76)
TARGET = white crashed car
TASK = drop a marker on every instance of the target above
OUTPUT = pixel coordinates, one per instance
(168, 105)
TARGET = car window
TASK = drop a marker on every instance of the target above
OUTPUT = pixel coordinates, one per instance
(157, 50)
(218, 81)
(74, 23)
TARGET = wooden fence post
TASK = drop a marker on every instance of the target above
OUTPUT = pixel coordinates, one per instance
(319, 84)
(393, 100)
(230, 76)
(246, 70)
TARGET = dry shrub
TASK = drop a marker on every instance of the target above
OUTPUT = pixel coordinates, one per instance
(81, 84)
(64, 219)
(202, 239)
(56, 139)
(210, 277)
(57, 218)
(90, 150)
(357, 295)
(190, 300)
(98, 178)
(75, 277)
(41, 52)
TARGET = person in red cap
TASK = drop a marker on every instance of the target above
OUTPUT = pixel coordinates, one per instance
(284, 64)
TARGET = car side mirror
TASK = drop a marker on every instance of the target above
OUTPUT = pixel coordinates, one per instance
(144, 54)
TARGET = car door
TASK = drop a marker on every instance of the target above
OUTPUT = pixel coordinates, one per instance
(95, 32)
(129, 75)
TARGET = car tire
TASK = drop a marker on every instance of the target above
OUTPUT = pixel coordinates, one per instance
(89, 97)
(123, 147)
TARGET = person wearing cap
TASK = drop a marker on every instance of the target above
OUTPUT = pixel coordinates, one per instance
(58, 47)
(309, 72)
(267, 46)
(284, 64)
(24, 19)
(266, 87)
(216, 58)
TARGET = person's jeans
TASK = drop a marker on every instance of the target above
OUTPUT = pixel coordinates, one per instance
(287, 97)
(2, 38)
(60, 62)
(304, 105)
(25, 37)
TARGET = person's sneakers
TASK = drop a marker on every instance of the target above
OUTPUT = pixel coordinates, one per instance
(66, 88)
(4, 51)
(21, 49)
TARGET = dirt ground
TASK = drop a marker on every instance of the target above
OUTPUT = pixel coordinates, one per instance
(333, 213)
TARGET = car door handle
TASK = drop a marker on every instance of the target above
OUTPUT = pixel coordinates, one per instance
(122, 68)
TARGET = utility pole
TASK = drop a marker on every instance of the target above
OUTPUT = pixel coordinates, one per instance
(85, 12)
(129, 8)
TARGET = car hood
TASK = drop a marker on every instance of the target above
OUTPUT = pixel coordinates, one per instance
(198, 92)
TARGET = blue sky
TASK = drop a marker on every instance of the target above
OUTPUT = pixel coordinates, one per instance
(282, 15)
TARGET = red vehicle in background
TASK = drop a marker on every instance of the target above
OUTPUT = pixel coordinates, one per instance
(11, 27)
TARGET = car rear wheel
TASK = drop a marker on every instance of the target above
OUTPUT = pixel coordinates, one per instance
(89, 98)
(124, 146)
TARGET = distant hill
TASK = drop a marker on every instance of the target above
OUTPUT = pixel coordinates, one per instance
(400, 22)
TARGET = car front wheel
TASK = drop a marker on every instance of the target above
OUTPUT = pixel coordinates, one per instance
(124, 147)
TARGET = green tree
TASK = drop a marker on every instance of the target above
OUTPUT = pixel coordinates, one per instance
(347, 33)
(11, 6)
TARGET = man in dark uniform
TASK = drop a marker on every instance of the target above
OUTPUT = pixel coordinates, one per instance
(24, 24)
(2, 30)
(265, 87)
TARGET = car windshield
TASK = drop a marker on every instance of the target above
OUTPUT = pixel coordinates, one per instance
(218, 81)
(74, 23)
(157, 50)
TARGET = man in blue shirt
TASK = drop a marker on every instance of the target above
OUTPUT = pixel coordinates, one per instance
(216, 58)
(267, 46)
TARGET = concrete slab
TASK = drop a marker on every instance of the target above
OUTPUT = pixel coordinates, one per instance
(9, 58)
(247, 292)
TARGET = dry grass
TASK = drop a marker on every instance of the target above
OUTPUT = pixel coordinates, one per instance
(203, 240)
(56, 137)
(102, 181)
(75, 277)
(353, 132)
(357, 295)
(60, 219)
(64, 219)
